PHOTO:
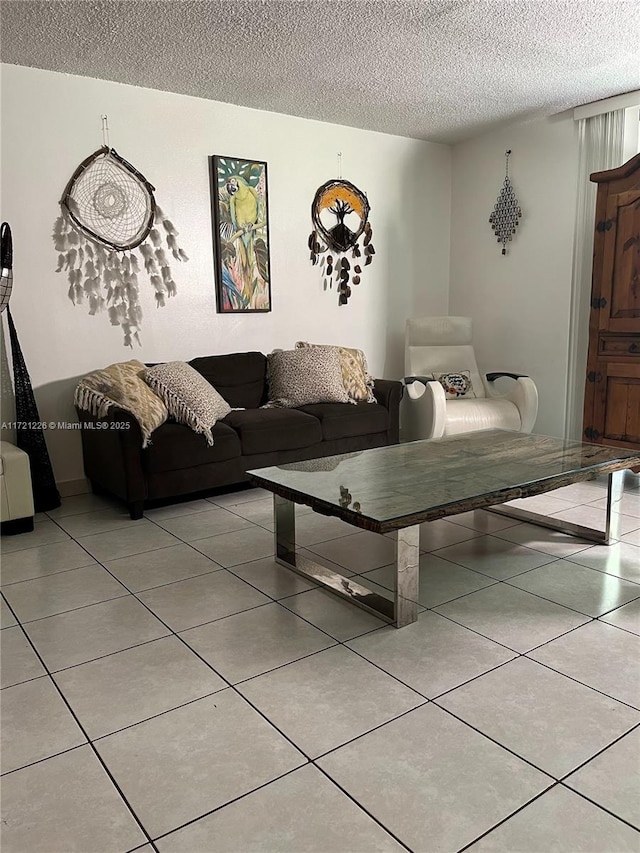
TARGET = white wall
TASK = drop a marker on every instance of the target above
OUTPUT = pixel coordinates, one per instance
(519, 302)
(51, 121)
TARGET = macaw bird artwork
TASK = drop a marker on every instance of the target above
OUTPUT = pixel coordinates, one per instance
(241, 234)
(340, 216)
(244, 209)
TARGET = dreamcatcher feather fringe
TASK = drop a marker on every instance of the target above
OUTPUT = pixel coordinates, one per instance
(109, 279)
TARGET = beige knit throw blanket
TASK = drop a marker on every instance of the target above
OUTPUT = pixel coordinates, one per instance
(122, 385)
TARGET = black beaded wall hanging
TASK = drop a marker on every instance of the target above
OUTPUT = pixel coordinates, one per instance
(330, 243)
(507, 212)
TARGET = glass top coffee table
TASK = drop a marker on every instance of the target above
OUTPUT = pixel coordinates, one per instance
(394, 489)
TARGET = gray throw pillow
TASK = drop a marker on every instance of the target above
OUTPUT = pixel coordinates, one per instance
(357, 381)
(301, 377)
(190, 399)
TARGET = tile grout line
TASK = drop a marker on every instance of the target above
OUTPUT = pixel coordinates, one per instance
(563, 779)
(562, 783)
(230, 802)
(173, 633)
(88, 739)
(556, 779)
(577, 681)
(336, 643)
(588, 545)
(230, 569)
(310, 762)
(484, 574)
(232, 686)
(310, 547)
(507, 818)
(91, 660)
(7, 773)
(619, 627)
(360, 806)
(601, 807)
(229, 685)
(273, 600)
(572, 609)
(497, 642)
(546, 643)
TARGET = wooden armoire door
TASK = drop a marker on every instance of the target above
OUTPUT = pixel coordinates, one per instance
(612, 390)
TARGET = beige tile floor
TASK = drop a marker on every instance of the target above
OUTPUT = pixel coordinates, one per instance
(166, 686)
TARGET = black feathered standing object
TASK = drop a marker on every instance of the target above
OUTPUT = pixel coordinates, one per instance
(45, 492)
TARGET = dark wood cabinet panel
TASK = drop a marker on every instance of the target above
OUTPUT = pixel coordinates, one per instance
(621, 270)
(612, 390)
(619, 345)
(617, 405)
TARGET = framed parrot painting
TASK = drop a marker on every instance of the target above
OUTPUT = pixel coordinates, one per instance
(240, 234)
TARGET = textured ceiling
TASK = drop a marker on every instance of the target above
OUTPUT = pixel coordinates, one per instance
(442, 70)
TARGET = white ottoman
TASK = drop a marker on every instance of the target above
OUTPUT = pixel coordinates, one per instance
(16, 495)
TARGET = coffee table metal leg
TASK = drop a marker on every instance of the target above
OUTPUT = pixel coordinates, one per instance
(407, 574)
(284, 516)
(614, 504)
(611, 530)
(401, 611)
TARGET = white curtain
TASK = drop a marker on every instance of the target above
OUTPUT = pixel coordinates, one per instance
(600, 140)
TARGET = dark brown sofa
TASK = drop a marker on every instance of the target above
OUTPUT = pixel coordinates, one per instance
(180, 462)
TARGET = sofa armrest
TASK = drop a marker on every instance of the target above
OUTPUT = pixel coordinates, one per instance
(491, 377)
(523, 394)
(112, 453)
(424, 412)
(388, 393)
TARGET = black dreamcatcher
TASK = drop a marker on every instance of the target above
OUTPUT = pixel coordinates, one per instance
(109, 210)
(340, 216)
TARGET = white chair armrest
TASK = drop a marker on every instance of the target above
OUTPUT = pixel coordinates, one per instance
(424, 409)
(523, 394)
(16, 495)
(416, 385)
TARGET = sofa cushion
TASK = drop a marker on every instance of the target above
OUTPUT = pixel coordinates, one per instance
(340, 421)
(358, 382)
(269, 430)
(191, 400)
(176, 446)
(241, 377)
(122, 385)
(305, 376)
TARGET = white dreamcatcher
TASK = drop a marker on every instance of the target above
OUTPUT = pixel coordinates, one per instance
(108, 211)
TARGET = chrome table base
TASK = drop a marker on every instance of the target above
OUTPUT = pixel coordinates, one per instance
(602, 537)
(400, 611)
(403, 609)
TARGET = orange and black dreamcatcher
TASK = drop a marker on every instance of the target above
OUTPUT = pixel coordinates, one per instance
(340, 216)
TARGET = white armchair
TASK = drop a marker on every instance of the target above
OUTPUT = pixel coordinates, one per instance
(16, 495)
(443, 345)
